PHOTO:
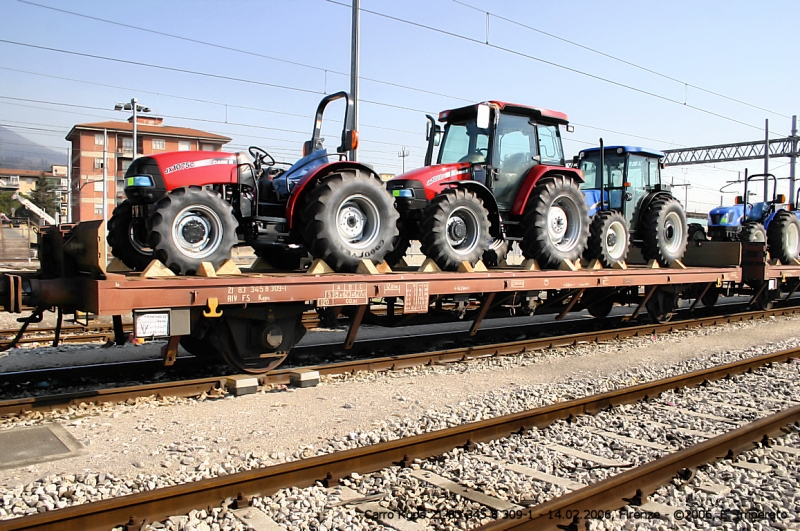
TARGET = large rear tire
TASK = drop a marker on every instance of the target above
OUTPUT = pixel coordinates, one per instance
(608, 238)
(664, 232)
(783, 237)
(455, 230)
(753, 232)
(192, 225)
(127, 238)
(349, 217)
(556, 222)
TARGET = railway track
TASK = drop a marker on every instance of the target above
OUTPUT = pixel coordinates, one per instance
(196, 386)
(673, 432)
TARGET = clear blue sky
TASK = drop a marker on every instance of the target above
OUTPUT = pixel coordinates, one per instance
(735, 48)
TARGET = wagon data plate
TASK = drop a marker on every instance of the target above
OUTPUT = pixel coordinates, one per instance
(151, 324)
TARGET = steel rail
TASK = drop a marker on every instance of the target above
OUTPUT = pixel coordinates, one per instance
(389, 363)
(180, 499)
(614, 492)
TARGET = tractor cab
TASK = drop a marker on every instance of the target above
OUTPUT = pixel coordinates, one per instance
(629, 174)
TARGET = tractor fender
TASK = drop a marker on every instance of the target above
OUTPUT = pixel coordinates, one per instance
(309, 182)
(489, 202)
(642, 207)
(536, 173)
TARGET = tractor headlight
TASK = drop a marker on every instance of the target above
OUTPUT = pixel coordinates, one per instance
(139, 180)
(724, 219)
(403, 192)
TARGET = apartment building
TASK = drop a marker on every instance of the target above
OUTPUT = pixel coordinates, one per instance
(89, 148)
(24, 181)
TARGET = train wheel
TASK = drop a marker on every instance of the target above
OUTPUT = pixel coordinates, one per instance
(661, 305)
(710, 299)
(257, 339)
(601, 303)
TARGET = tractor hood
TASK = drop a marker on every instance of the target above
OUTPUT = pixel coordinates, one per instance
(430, 179)
(726, 216)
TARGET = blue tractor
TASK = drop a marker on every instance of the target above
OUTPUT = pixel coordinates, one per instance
(629, 204)
(769, 221)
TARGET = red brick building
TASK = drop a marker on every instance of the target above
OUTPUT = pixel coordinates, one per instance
(87, 157)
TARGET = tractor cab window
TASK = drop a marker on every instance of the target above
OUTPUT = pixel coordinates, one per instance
(638, 171)
(550, 145)
(613, 174)
(464, 142)
(514, 149)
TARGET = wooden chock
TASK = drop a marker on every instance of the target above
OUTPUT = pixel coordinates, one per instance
(206, 269)
(567, 265)
(480, 267)
(594, 265)
(319, 267)
(366, 267)
(228, 268)
(677, 264)
(117, 266)
(619, 264)
(261, 264)
(653, 264)
(531, 265)
(773, 262)
(403, 263)
(429, 266)
(465, 267)
(156, 269)
(383, 267)
(795, 261)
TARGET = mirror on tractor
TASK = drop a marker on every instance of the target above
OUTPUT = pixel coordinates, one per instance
(570, 129)
(432, 128)
(780, 198)
(349, 140)
(482, 120)
(739, 200)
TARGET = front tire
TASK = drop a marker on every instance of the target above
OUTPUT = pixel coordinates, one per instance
(455, 230)
(753, 232)
(127, 238)
(496, 253)
(192, 225)
(783, 237)
(556, 222)
(608, 238)
(349, 218)
(664, 231)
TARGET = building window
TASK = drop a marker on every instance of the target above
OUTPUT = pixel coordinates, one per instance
(13, 179)
(184, 145)
(98, 140)
(207, 147)
(98, 163)
(158, 144)
(127, 144)
(98, 210)
(124, 164)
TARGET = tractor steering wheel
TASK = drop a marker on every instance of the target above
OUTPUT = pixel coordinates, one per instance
(259, 156)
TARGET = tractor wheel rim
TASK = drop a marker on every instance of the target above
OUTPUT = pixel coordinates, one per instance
(563, 224)
(615, 240)
(673, 233)
(135, 233)
(462, 230)
(358, 221)
(792, 241)
(197, 231)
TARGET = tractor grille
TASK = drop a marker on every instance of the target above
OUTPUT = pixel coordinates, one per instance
(716, 218)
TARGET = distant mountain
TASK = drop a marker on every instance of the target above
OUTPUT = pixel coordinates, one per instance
(17, 152)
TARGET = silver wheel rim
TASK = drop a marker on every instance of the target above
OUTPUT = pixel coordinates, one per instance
(673, 232)
(358, 221)
(197, 231)
(563, 224)
(792, 239)
(615, 240)
(462, 230)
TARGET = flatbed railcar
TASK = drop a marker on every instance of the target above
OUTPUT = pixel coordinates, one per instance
(252, 317)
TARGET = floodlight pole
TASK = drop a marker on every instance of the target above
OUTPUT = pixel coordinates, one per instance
(354, 58)
(135, 139)
(105, 191)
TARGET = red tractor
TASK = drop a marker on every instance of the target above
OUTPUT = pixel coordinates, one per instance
(500, 177)
(189, 207)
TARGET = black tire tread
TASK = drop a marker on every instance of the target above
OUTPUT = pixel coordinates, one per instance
(596, 247)
(652, 238)
(119, 241)
(776, 243)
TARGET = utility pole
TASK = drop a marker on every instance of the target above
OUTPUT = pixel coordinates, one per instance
(766, 160)
(354, 58)
(105, 191)
(685, 186)
(403, 153)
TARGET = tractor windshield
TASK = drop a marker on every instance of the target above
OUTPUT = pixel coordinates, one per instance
(614, 170)
(464, 142)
